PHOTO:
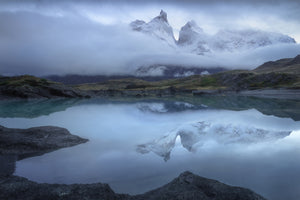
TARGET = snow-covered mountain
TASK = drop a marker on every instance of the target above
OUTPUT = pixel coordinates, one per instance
(232, 40)
(170, 71)
(158, 27)
(167, 107)
(193, 39)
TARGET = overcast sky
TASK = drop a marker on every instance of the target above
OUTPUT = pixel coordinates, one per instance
(93, 37)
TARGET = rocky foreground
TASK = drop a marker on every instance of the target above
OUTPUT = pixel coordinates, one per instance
(36, 140)
(39, 140)
(185, 187)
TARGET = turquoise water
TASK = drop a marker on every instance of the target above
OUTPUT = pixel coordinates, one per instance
(138, 145)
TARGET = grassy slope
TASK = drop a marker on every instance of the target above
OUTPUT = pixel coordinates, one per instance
(232, 80)
(21, 81)
(284, 73)
(196, 82)
(32, 87)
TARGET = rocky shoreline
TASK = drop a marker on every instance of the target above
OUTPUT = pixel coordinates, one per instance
(36, 140)
(186, 186)
(21, 143)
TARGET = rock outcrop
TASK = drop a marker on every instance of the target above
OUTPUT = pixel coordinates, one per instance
(191, 187)
(187, 186)
(28, 87)
(18, 188)
(36, 140)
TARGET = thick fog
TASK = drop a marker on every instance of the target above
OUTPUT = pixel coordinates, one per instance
(94, 37)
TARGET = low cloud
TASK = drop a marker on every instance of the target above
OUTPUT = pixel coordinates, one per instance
(72, 43)
(37, 44)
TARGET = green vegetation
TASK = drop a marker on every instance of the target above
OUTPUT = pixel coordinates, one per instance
(230, 80)
(208, 81)
(33, 87)
(284, 73)
(189, 83)
(18, 81)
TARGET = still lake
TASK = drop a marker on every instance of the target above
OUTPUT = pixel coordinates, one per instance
(136, 145)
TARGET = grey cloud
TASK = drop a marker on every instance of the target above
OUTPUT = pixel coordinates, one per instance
(153, 1)
(32, 43)
(47, 37)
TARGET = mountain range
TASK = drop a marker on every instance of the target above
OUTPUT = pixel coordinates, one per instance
(193, 39)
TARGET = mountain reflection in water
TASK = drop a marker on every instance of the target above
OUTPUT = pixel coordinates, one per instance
(244, 141)
(276, 107)
(194, 135)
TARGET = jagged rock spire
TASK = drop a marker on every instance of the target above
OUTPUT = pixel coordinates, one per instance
(191, 24)
(158, 27)
(190, 33)
(163, 15)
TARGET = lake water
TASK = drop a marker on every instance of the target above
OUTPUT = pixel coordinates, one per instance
(138, 145)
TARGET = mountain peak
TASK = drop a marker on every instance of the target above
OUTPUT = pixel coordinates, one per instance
(192, 34)
(189, 24)
(158, 27)
(163, 16)
(193, 39)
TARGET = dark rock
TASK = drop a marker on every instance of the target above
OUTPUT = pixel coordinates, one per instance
(18, 188)
(7, 164)
(186, 187)
(205, 92)
(36, 140)
(191, 187)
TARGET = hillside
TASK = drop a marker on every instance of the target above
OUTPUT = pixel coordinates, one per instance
(281, 74)
(197, 84)
(287, 65)
(32, 87)
(272, 75)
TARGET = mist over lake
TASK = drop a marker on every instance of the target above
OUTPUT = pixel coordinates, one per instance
(149, 100)
(239, 145)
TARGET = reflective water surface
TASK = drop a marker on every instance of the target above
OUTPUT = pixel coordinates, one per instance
(137, 145)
